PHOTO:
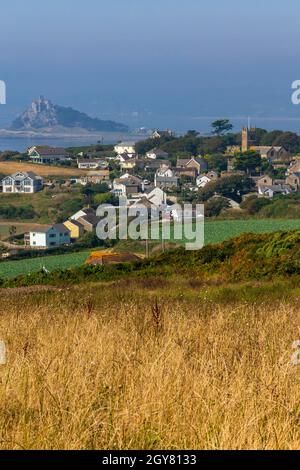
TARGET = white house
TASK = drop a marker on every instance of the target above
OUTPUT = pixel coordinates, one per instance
(85, 164)
(22, 182)
(46, 154)
(203, 180)
(271, 191)
(49, 236)
(157, 196)
(157, 153)
(165, 172)
(125, 147)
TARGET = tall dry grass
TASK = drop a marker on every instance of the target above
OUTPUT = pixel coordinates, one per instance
(106, 369)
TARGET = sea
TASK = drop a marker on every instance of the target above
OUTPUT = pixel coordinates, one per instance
(21, 144)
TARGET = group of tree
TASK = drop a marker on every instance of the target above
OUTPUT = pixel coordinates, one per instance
(232, 187)
(9, 212)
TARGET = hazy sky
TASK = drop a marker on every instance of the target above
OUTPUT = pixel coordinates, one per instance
(152, 62)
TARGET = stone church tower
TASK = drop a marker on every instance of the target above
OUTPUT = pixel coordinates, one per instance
(248, 138)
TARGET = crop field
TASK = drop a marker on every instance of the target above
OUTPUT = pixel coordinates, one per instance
(219, 231)
(8, 168)
(215, 232)
(10, 269)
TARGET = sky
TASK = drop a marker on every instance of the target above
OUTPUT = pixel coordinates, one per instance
(153, 63)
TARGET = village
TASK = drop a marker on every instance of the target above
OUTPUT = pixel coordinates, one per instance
(153, 179)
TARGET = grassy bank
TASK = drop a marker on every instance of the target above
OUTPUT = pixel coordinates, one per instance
(150, 365)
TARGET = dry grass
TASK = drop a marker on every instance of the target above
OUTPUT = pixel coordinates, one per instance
(121, 368)
(8, 168)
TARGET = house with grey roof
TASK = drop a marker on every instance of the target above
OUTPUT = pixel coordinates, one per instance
(46, 154)
(48, 236)
(22, 182)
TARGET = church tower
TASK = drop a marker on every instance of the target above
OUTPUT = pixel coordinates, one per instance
(245, 139)
(248, 138)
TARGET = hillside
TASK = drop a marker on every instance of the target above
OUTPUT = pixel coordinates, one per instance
(248, 257)
(43, 114)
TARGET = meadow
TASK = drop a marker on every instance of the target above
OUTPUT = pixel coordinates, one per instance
(150, 364)
(215, 232)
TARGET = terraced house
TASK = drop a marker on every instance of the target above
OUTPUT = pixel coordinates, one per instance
(22, 182)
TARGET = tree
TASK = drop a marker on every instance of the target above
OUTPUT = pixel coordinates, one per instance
(232, 187)
(217, 162)
(12, 230)
(215, 206)
(248, 161)
(221, 126)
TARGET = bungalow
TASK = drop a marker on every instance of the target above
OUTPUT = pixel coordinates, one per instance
(95, 177)
(86, 164)
(125, 147)
(271, 191)
(46, 154)
(48, 236)
(157, 153)
(22, 182)
(75, 227)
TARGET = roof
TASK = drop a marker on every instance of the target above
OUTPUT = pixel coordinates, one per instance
(74, 222)
(26, 174)
(125, 144)
(131, 180)
(41, 229)
(157, 151)
(45, 151)
(91, 219)
(111, 258)
(88, 210)
(60, 228)
(266, 148)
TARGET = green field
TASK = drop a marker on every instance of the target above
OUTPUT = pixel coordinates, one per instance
(215, 232)
(10, 269)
